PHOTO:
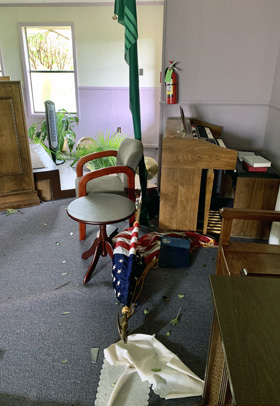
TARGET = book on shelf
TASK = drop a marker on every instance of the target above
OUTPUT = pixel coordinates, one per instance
(242, 154)
(257, 161)
(250, 168)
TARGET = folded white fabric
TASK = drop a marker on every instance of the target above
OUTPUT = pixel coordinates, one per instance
(145, 355)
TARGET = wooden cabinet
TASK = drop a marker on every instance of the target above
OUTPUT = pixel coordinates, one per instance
(256, 191)
(16, 176)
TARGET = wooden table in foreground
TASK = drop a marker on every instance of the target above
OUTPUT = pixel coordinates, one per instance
(243, 365)
(182, 162)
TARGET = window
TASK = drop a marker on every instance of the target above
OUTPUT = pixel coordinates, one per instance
(49, 62)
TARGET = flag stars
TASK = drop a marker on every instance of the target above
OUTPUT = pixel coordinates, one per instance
(119, 271)
(121, 260)
(114, 266)
(114, 279)
(119, 293)
(118, 283)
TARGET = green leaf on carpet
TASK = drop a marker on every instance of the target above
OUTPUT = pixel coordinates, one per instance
(94, 354)
(146, 311)
(176, 320)
(9, 212)
(180, 296)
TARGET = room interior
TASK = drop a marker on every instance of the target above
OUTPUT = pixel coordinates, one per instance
(228, 59)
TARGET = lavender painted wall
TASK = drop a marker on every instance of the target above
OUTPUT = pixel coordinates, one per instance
(105, 109)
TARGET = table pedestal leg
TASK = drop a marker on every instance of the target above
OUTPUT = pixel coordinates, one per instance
(102, 245)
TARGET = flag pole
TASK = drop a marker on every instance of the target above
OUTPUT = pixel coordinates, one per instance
(126, 13)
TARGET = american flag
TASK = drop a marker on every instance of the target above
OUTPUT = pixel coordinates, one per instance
(132, 257)
(128, 265)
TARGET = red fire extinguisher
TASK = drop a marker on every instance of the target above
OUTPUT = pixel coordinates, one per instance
(171, 80)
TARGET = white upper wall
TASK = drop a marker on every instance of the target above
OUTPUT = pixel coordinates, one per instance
(227, 49)
(271, 144)
(227, 52)
(275, 98)
(99, 42)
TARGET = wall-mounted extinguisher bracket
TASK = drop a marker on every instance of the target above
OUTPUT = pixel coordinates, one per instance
(171, 83)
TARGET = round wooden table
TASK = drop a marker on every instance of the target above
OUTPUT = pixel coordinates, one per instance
(100, 209)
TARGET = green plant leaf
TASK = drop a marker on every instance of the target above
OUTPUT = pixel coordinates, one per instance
(94, 354)
(102, 142)
(9, 212)
(175, 321)
(146, 311)
(65, 123)
(181, 296)
(156, 369)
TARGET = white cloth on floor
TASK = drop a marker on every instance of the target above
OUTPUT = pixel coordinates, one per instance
(110, 391)
(153, 362)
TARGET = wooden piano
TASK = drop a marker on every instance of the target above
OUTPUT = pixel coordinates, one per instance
(185, 153)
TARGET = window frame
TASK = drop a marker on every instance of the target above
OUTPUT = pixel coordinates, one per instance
(25, 63)
(2, 70)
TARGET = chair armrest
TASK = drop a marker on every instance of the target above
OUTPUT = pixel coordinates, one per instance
(250, 214)
(229, 214)
(91, 157)
(109, 171)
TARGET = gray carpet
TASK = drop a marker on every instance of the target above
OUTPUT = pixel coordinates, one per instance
(40, 252)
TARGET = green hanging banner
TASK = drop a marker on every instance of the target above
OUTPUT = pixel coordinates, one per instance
(127, 16)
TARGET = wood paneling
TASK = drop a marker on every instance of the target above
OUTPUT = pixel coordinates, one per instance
(179, 206)
(182, 161)
(254, 193)
(9, 140)
(246, 330)
(16, 177)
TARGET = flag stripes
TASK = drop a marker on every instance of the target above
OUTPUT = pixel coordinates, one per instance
(133, 257)
(148, 246)
(131, 34)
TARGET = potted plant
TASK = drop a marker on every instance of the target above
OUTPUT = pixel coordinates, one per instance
(102, 142)
(65, 121)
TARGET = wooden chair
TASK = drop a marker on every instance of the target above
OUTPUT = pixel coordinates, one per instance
(244, 258)
(118, 179)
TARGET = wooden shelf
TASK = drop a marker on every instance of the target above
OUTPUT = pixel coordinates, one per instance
(47, 179)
